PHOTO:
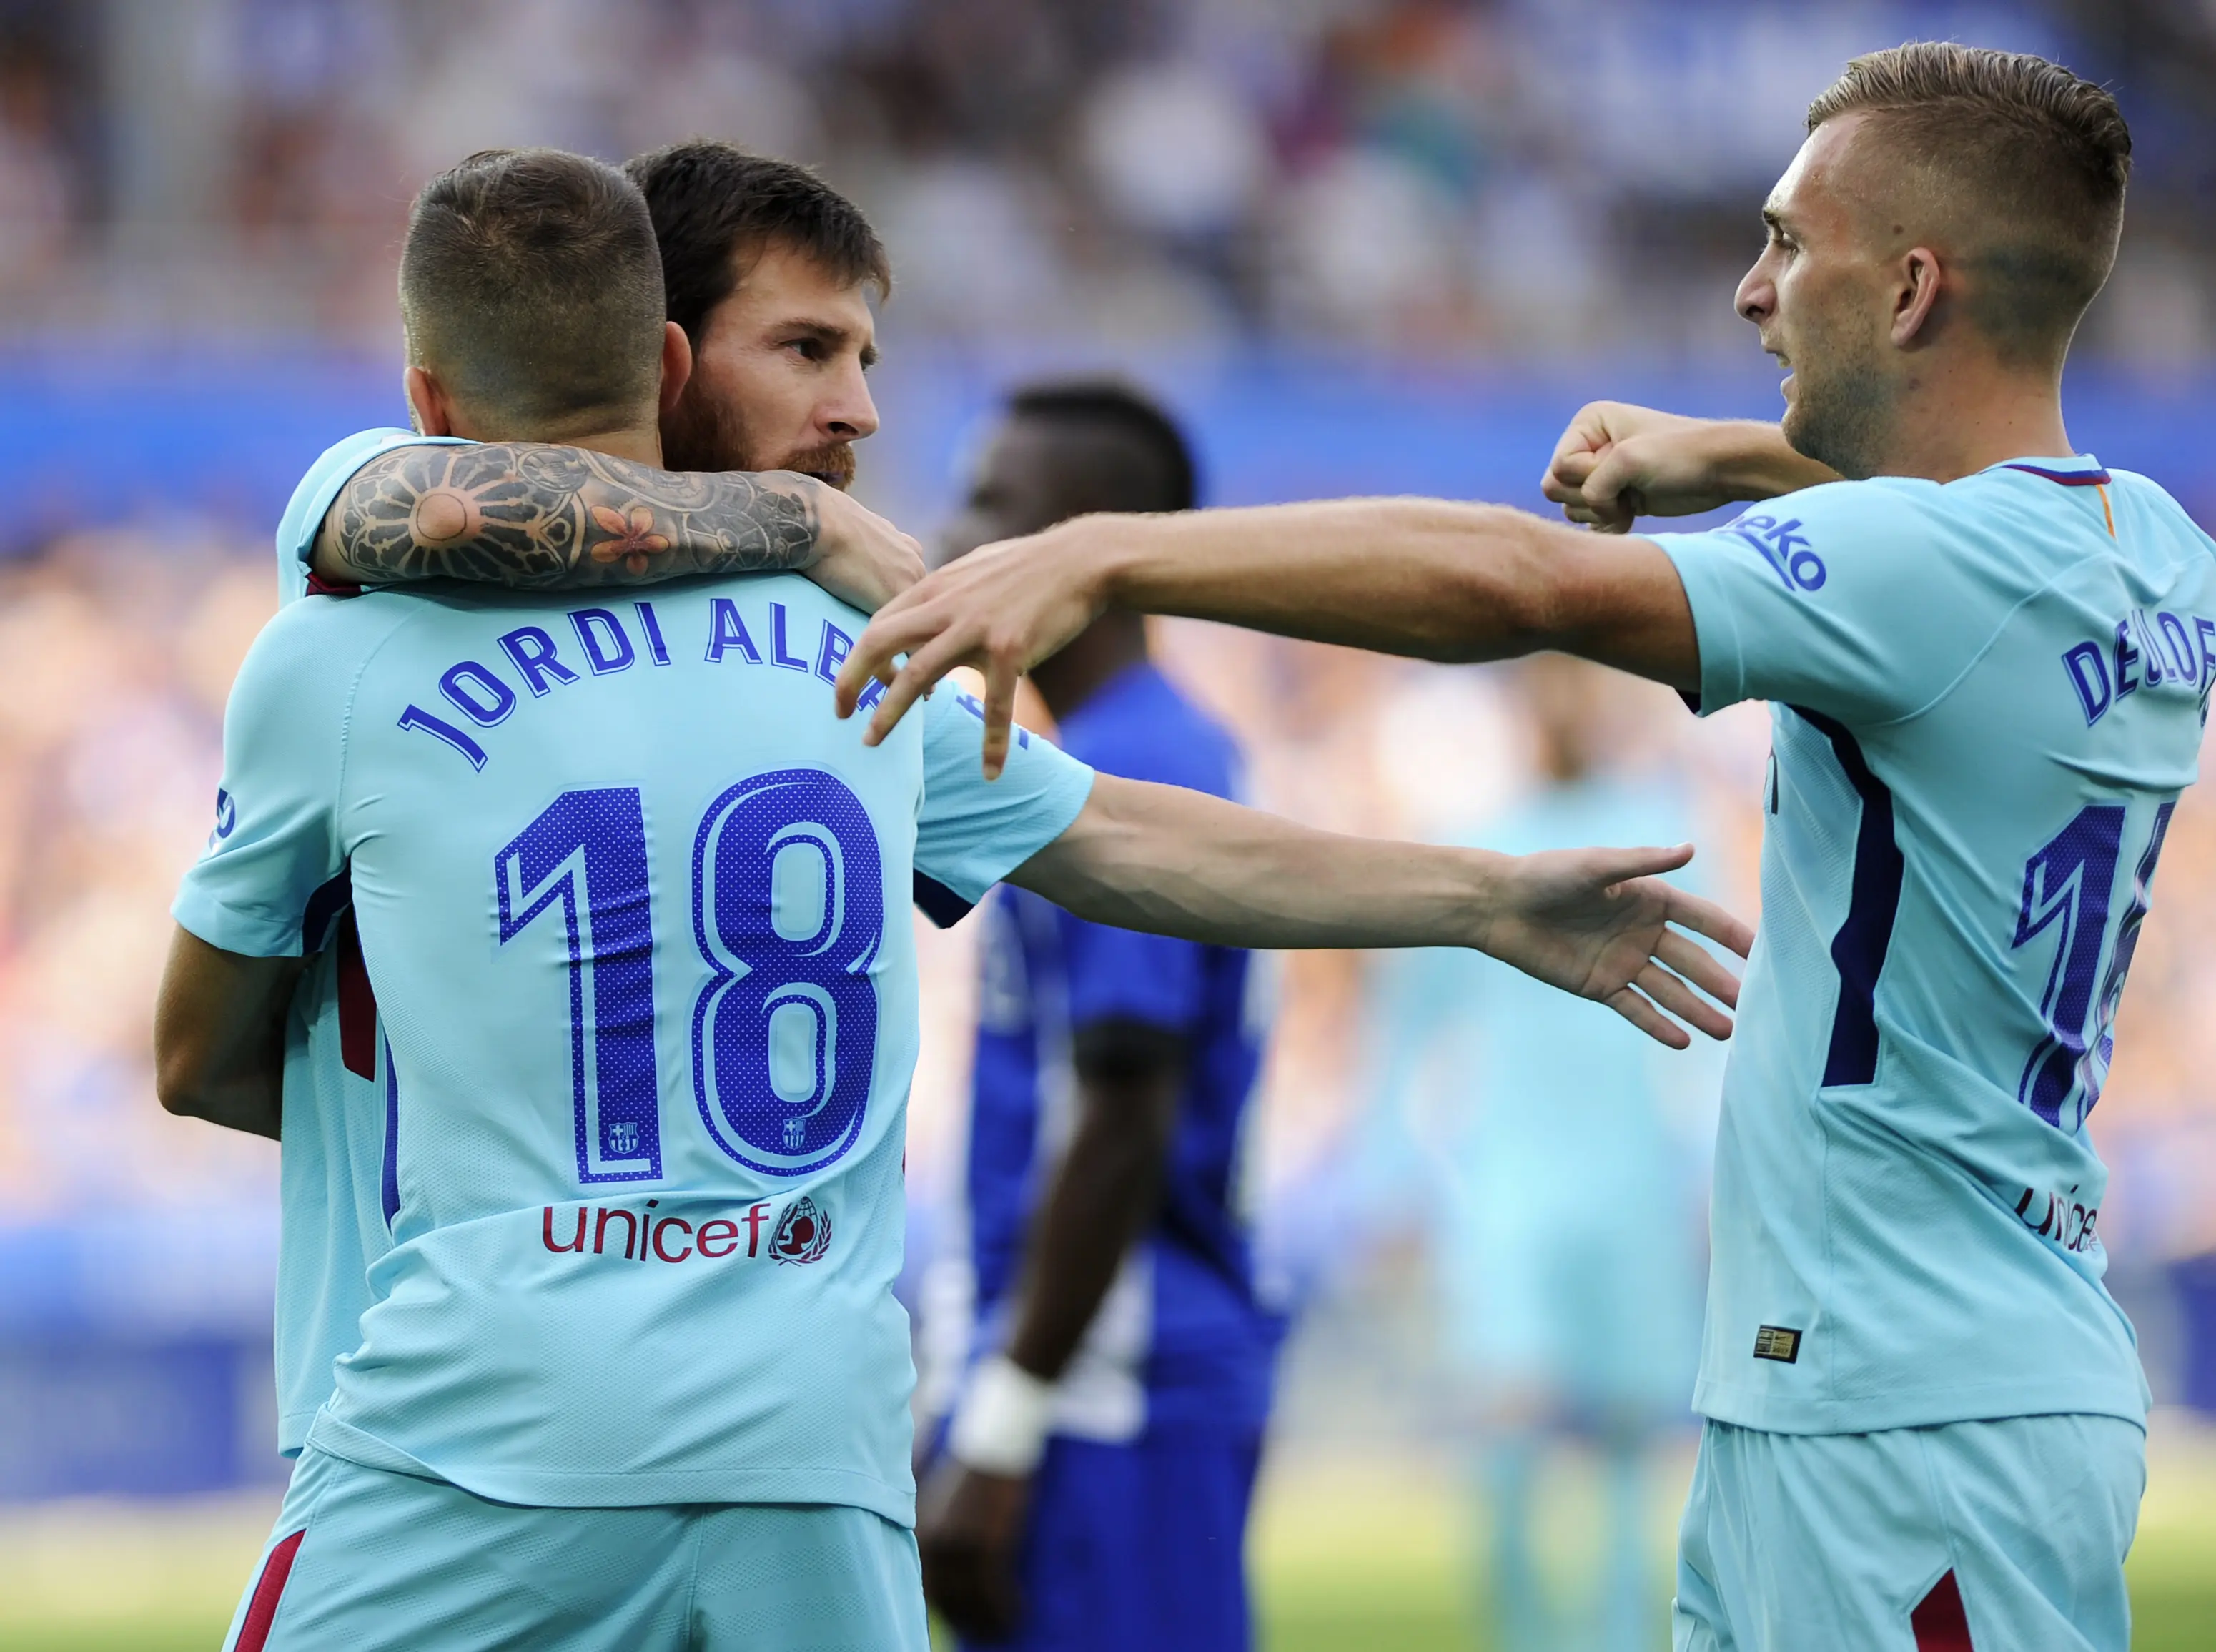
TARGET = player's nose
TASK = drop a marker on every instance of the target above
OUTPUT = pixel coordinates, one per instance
(851, 413)
(1757, 297)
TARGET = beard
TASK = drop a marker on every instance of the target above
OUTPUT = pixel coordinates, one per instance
(707, 433)
(1842, 405)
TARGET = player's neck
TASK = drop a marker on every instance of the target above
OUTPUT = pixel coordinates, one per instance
(1966, 417)
(642, 446)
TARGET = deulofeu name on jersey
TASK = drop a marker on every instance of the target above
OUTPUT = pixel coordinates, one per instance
(801, 1232)
(2170, 651)
(484, 697)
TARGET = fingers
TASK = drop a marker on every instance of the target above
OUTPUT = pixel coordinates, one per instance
(1564, 482)
(925, 667)
(1681, 1000)
(1699, 965)
(1627, 1002)
(1707, 918)
(1622, 866)
(1000, 679)
(897, 629)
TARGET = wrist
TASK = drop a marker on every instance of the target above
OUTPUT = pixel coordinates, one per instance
(1001, 1425)
(1103, 559)
(1751, 460)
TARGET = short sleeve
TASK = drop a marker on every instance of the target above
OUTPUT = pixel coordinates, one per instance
(972, 832)
(1121, 974)
(275, 843)
(1849, 599)
(312, 500)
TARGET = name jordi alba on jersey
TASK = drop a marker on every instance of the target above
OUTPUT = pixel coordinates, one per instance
(635, 903)
(1987, 697)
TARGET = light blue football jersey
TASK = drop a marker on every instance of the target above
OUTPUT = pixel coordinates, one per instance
(1988, 697)
(634, 902)
(332, 1182)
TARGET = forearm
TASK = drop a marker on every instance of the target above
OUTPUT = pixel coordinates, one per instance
(1180, 863)
(219, 1036)
(524, 515)
(1425, 578)
(1103, 1196)
(1750, 459)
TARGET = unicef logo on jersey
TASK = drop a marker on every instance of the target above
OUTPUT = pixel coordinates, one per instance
(804, 1234)
(1784, 547)
(789, 910)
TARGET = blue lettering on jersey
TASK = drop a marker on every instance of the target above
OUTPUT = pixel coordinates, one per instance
(968, 702)
(2141, 655)
(778, 654)
(1785, 548)
(606, 645)
(485, 698)
(534, 652)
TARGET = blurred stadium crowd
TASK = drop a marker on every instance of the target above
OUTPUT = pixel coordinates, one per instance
(1521, 179)
(1506, 177)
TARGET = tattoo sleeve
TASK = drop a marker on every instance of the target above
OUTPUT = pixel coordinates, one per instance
(523, 514)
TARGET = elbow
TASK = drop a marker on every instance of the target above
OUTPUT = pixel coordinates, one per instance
(180, 1081)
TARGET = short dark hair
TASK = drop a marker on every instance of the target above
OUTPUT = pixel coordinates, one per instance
(2042, 156)
(715, 206)
(1164, 476)
(530, 284)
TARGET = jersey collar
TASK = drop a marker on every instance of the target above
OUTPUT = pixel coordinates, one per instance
(2079, 471)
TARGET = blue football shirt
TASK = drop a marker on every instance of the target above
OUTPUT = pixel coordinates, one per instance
(634, 902)
(337, 1091)
(1181, 1336)
(1987, 697)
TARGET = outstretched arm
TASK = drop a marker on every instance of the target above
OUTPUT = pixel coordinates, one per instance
(1617, 462)
(1417, 577)
(219, 1035)
(1595, 923)
(524, 514)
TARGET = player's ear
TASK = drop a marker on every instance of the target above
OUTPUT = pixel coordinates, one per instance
(1916, 296)
(428, 411)
(676, 365)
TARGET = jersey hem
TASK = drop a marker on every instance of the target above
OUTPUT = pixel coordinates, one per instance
(229, 929)
(624, 1488)
(1911, 1408)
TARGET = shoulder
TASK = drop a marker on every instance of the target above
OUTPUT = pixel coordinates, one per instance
(1148, 730)
(320, 637)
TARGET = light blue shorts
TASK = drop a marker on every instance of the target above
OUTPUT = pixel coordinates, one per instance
(1992, 1536)
(368, 1560)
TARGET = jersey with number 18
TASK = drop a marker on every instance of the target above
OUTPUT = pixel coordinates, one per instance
(634, 904)
(1988, 695)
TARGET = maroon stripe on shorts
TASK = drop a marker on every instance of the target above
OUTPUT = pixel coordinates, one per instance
(1938, 1620)
(261, 1610)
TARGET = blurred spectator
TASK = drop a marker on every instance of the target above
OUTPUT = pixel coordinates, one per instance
(1467, 175)
(1562, 1152)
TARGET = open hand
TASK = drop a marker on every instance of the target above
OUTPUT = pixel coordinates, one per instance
(1002, 609)
(970, 1526)
(1598, 922)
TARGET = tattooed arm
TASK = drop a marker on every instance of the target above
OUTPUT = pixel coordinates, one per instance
(538, 517)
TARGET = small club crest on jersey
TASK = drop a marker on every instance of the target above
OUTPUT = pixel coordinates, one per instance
(804, 1232)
